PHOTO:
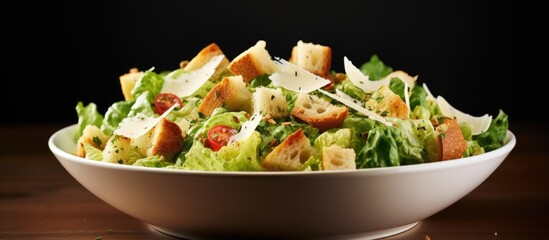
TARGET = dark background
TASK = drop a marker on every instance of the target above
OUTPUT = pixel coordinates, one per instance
(481, 56)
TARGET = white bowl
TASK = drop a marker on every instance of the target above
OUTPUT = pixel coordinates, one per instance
(366, 203)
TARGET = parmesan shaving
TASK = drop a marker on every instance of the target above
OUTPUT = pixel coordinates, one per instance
(140, 124)
(352, 104)
(295, 78)
(480, 124)
(430, 96)
(349, 98)
(407, 96)
(187, 83)
(247, 129)
(362, 81)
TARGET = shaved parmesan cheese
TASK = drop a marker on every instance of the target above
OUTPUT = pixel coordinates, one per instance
(349, 98)
(362, 81)
(139, 125)
(407, 96)
(295, 78)
(187, 83)
(247, 128)
(354, 105)
(430, 96)
(480, 124)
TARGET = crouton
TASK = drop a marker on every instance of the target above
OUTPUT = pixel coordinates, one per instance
(117, 149)
(387, 104)
(91, 135)
(452, 143)
(271, 102)
(231, 92)
(312, 57)
(204, 56)
(165, 139)
(318, 112)
(335, 157)
(253, 62)
(289, 155)
(127, 82)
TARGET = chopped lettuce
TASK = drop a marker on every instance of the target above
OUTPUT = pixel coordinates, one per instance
(341, 137)
(408, 141)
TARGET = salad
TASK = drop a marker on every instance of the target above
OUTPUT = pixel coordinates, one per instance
(262, 113)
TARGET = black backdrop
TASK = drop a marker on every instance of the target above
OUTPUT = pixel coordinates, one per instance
(480, 55)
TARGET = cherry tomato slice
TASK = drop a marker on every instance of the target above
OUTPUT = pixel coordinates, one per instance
(164, 101)
(330, 85)
(218, 136)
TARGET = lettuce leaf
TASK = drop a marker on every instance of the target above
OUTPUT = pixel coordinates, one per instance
(494, 137)
(341, 137)
(114, 115)
(151, 82)
(87, 115)
(375, 69)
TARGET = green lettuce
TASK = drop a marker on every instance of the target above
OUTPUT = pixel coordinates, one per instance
(87, 115)
(341, 137)
(242, 156)
(203, 158)
(92, 152)
(375, 69)
(238, 157)
(350, 89)
(494, 137)
(410, 142)
(156, 161)
(360, 127)
(150, 82)
(114, 115)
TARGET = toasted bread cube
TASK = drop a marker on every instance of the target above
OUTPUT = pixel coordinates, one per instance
(387, 104)
(253, 62)
(117, 149)
(290, 154)
(93, 136)
(312, 57)
(318, 112)
(231, 92)
(452, 143)
(204, 56)
(269, 101)
(335, 157)
(165, 139)
(127, 82)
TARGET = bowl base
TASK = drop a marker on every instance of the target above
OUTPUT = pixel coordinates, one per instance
(361, 236)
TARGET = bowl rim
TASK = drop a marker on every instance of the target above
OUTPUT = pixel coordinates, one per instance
(510, 142)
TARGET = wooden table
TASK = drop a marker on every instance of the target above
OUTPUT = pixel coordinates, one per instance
(40, 200)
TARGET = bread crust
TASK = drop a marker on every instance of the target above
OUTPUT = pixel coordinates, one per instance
(231, 92)
(253, 62)
(452, 143)
(203, 57)
(290, 154)
(312, 57)
(318, 112)
(167, 139)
